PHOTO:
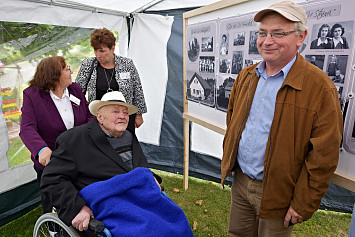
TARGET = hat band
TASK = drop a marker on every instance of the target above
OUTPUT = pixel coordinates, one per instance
(116, 101)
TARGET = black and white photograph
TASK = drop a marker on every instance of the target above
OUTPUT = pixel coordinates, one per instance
(202, 63)
(253, 48)
(336, 68)
(207, 44)
(223, 49)
(341, 97)
(201, 89)
(340, 92)
(193, 49)
(224, 88)
(224, 65)
(323, 39)
(335, 35)
(237, 62)
(304, 45)
(239, 38)
(249, 62)
(207, 64)
(316, 60)
(339, 40)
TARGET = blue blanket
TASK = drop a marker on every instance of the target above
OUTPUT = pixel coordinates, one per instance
(131, 205)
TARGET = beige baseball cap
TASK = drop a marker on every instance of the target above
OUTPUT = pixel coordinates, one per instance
(287, 9)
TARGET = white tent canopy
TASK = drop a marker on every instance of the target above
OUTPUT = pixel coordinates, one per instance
(121, 7)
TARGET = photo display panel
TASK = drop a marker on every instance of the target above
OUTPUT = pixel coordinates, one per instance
(201, 67)
(242, 52)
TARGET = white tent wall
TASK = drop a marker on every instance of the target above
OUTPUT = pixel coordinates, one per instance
(148, 49)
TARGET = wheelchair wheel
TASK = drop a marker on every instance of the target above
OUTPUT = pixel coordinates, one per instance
(51, 222)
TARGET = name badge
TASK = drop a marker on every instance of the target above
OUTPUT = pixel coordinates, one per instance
(74, 99)
(125, 75)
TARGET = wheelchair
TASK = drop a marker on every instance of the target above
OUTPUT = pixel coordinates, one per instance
(51, 221)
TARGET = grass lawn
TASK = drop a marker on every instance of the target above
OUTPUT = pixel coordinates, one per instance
(206, 206)
(18, 153)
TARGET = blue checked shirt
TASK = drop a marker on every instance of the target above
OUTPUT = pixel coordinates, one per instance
(255, 135)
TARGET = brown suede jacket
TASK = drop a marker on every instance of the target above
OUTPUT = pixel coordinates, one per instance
(303, 146)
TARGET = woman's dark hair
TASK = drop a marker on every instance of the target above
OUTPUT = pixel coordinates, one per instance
(337, 25)
(48, 73)
(102, 37)
(324, 26)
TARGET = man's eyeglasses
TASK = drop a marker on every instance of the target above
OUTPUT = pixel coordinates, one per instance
(263, 34)
(68, 68)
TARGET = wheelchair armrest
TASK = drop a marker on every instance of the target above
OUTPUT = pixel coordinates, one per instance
(96, 225)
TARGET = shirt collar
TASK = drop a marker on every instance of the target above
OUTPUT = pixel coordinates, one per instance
(322, 42)
(337, 41)
(65, 94)
(261, 70)
(108, 135)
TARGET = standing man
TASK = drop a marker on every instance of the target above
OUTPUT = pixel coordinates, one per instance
(284, 128)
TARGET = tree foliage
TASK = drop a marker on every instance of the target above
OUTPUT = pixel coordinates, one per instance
(28, 41)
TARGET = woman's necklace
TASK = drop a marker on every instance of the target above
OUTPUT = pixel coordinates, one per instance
(109, 82)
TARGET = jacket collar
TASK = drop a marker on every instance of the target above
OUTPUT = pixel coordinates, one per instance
(297, 73)
(52, 110)
(294, 77)
(99, 138)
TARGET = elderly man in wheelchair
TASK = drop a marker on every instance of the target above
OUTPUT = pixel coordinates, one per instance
(98, 170)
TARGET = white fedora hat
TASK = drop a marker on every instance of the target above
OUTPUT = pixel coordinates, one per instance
(111, 98)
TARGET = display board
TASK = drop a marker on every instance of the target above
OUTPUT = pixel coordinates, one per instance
(220, 41)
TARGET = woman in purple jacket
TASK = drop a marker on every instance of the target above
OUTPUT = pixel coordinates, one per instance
(52, 104)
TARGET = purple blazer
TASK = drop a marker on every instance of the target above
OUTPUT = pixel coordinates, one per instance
(41, 123)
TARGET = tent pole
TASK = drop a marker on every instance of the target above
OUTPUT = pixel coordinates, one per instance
(128, 20)
(186, 121)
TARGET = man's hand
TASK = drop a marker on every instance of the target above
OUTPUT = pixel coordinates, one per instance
(292, 216)
(81, 220)
(157, 183)
(45, 156)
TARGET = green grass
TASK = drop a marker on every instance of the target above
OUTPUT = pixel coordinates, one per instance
(22, 226)
(211, 216)
(18, 153)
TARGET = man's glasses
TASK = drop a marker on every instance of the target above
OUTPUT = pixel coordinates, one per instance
(263, 34)
(68, 68)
